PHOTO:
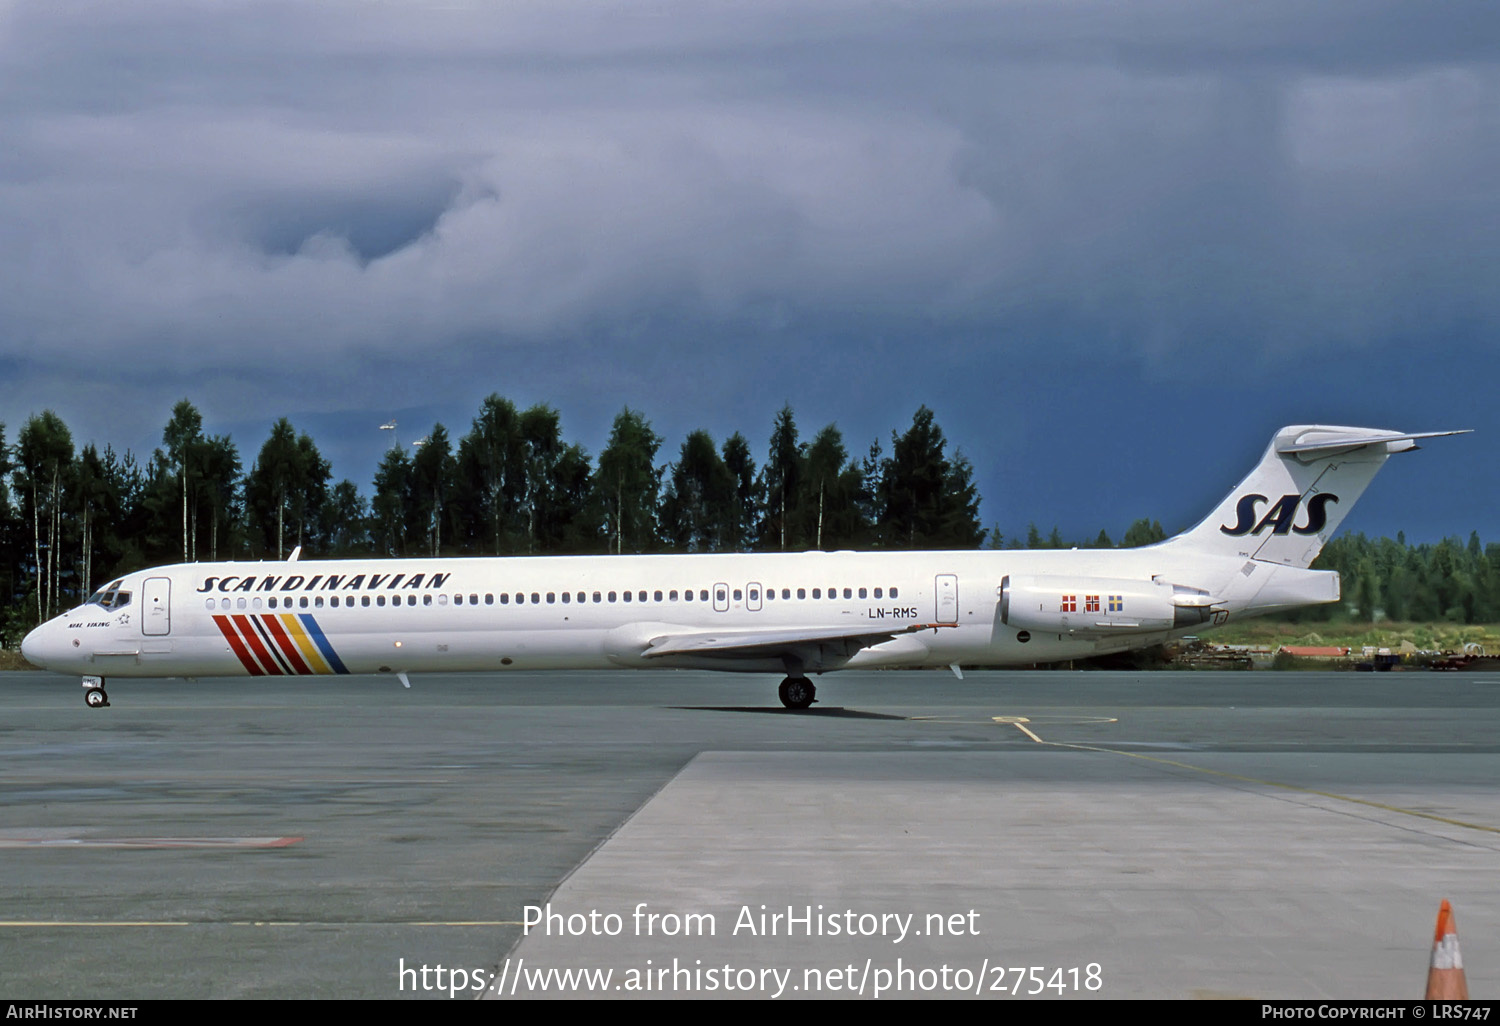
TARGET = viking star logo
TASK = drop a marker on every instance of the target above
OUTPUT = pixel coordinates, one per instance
(123, 619)
(1280, 516)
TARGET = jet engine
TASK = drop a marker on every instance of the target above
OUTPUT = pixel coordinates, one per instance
(1100, 606)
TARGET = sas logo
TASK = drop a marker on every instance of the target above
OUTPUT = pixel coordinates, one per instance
(1279, 518)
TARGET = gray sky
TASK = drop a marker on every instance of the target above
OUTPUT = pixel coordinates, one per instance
(1113, 246)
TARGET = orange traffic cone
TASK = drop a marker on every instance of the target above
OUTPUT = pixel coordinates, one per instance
(1445, 980)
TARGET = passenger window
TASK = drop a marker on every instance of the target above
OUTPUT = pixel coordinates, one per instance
(719, 595)
(489, 598)
(643, 596)
(658, 596)
(364, 600)
(672, 594)
(536, 598)
(551, 598)
(702, 594)
(411, 600)
(627, 596)
(817, 593)
(611, 596)
(893, 593)
(426, 600)
(596, 596)
(567, 597)
(861, 593)
(379, 600)
(687, 596)
(255, 602)
(520, 598)
(302, 602)
(786, 593)
(802, 593)
(877, 592)
(505, 598)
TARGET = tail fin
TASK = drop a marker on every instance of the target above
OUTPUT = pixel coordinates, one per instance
(1298, 495)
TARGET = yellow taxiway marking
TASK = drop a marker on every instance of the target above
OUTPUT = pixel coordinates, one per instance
(1018, 720)
(110, 923)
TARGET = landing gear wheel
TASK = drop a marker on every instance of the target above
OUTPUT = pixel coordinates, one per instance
(95, 698)
(797, 693)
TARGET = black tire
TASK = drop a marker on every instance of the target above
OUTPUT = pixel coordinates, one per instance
(95, 698)
(797, 693)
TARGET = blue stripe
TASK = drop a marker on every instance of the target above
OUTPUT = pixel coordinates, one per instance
(316, 633)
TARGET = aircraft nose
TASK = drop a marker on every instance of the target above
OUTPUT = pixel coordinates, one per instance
(35, 646)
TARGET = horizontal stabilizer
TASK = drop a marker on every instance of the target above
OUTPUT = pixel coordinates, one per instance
(1328, 440)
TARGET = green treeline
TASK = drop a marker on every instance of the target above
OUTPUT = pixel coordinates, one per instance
(72, 519)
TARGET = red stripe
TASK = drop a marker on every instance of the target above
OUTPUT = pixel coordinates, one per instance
(222, 622)
(247, 631)
(287, 644)
(266, 640)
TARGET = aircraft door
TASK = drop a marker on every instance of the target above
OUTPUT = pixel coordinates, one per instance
(752, 597)
(947, 598)
(721, 598)
(156, 606)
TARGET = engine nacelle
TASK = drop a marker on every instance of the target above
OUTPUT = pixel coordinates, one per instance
(1099, 606)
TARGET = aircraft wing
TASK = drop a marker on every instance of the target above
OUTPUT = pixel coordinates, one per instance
(776, 641)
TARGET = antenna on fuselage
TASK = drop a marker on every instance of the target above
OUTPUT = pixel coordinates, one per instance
(296, 554)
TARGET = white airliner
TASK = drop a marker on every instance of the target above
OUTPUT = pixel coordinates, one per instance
(790, 613)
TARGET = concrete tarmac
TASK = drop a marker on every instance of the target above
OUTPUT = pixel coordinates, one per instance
(1188, 834)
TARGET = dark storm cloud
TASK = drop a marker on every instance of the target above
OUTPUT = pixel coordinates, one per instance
(294, 206)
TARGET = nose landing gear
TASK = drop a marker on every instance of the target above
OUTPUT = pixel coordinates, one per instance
(95, 697)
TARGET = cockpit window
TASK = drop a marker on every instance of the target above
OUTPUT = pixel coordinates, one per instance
(111, 597)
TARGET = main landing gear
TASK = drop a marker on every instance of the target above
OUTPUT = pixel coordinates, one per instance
(797, 693)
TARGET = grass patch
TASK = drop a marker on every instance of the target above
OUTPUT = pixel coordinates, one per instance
(1441, 637)
(12, 661)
